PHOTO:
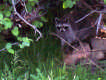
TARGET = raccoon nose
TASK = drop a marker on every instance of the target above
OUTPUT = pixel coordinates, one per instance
(62, 30)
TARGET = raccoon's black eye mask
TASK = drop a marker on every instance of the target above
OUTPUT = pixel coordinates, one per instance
(58, 28)
(65, 27)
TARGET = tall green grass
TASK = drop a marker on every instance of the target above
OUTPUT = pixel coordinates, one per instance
(43, 61)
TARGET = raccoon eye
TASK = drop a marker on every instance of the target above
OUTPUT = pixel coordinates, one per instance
(58, 28)
(65, 27)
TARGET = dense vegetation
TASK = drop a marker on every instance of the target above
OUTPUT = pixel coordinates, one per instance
(28, 51)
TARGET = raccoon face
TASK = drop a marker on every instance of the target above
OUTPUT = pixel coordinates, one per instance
(64, 30)
(62, 26)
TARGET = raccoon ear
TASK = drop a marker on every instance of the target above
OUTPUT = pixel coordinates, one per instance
(57, 20)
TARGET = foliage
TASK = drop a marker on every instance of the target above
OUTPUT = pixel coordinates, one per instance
(69, 3)
(9, 48)
(44, 63)
(5, 21)
(31, 60)
(105, 1)
(7, 24)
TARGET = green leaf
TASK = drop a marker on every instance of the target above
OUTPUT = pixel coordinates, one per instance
(1, 21)
(7, 19)
(21, 46)
(99, 78)
(19, 38)
(34, 77)
(34, 0)
(11, 51)
(26, 44)
(1, 16)
(8, 13)
(44, 19)
(38, 70)
(69, 4)
(38, 24)
(2, 6)
(105, 1)
(1, 28)
(15, 31)
(74, 2)
(8, 46)
(25, 39)
(66, 3)
(32, 4)
(7, 24)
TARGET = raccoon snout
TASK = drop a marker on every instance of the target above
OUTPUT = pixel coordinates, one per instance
(62, 30)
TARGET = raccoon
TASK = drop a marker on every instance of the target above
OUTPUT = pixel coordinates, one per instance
(72, 32)
(64, 30)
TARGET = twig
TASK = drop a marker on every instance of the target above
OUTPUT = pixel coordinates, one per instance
(34, 27)
(54, 34)
(37, 16)
(93, 11)
(99, 21)
(78, 50)
(25, 8)
(2, 49)
(96, 50)
(87, 5)
(100, 11)
(90, 27)
(85, 29)
(84, 52)
(92, 62)
(16, 43)
(85, 16)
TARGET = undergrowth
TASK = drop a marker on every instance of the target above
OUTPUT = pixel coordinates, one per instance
(43, 61)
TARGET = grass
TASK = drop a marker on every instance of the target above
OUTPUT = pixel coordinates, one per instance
(42, 61)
